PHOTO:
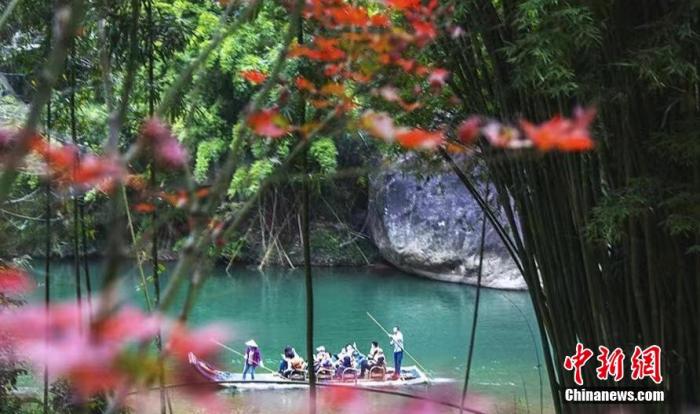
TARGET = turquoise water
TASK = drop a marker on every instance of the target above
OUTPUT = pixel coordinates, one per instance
(435, 318)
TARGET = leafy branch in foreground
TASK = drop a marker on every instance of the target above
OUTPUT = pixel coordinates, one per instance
(359, 64)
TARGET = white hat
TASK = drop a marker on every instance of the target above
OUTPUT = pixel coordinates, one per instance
(321, 349)
(251, 343)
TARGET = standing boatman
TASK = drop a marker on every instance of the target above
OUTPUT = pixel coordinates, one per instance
(251, 359)
(397, 341)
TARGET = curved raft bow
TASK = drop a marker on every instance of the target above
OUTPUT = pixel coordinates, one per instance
(410, 375)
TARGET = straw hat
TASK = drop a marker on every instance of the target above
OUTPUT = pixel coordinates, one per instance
(251, 343)
(321, 349)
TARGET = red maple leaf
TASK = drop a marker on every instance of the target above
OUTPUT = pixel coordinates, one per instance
(468, 130)
(254, 76)
(418, 138)
(144, 208)
(268, 123)
(403, 4)
(563, 134)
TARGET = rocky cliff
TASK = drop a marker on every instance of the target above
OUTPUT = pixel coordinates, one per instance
(426, 223)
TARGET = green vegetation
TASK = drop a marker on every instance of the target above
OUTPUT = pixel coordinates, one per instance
(202, 118)
(608, 241)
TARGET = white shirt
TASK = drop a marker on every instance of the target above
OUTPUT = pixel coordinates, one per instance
(397, 341)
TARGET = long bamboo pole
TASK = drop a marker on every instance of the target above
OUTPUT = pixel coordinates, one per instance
(402, 348)
(239, 354)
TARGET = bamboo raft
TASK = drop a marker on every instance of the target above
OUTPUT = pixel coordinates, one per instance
(410, 376)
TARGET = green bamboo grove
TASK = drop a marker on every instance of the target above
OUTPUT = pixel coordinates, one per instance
(609, 241)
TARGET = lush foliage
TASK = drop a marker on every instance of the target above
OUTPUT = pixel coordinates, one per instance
(238, 104)
(607, 241)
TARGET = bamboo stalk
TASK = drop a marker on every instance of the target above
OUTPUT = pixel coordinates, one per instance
(76, 217)
(47, 253)
(150, 77)
(579, 288)
(306, 237)
(475, 319)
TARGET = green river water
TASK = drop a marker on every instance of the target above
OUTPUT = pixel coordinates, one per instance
(435, 318)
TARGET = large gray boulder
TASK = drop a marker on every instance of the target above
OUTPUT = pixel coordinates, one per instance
(426, 223)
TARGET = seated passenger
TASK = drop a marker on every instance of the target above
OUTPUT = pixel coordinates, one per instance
(358, 357)
(338, 358)
(297, 363)
(342, 364)
(346, 350)
(375, 358)
(322, 359)
(287, 356)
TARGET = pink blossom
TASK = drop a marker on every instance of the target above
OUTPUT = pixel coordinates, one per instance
(6, 138)
(107, 353)
(349, 400)
(200, 342)
(438, 78)
(157, 137)
(504, 136)
(30, 322)
(389, 93)
(91, 367)
(456, 32)
(342, 400)
(56, 339)
(379, 124)
(15, 281)
(172, 154)
(128, 324)
(468, 130)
